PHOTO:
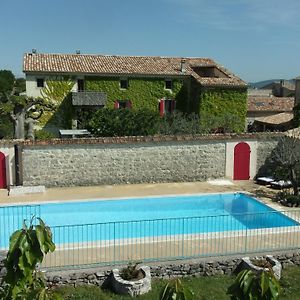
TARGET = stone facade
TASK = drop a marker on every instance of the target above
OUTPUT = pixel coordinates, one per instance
(97, 164)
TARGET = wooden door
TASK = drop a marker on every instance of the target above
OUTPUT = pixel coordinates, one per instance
(241, 169)
(2, 171)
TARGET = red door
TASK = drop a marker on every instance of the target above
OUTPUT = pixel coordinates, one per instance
(241, 161)
(2, 171)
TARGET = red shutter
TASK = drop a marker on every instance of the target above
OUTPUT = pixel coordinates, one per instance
(129, 104)
(162, 107)
(173, 105)
(116, 105)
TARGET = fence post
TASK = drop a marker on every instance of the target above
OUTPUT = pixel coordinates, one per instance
(182, 250)
(246, 237)
(114, 243)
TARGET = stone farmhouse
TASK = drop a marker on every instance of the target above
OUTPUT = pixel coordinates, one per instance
(85, 82)
(272, 107)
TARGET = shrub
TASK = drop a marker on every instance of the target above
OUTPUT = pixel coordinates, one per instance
(180, 123)
(27, 248)
(6, 127)
(124, 122)
(250, 285)
(131, 271)
(175, 290)
(43, 135)
(287, 198)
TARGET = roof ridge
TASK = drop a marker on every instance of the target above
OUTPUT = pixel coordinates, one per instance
(121, 55)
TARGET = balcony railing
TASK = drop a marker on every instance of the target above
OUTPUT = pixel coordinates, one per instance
(89, 98)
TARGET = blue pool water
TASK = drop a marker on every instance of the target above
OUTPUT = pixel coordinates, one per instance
(145, 217)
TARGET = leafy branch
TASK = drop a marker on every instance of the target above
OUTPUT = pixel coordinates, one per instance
(27, 248)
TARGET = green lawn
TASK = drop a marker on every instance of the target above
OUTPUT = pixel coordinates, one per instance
(205, 288)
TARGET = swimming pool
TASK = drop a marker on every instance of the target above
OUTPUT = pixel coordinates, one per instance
(146, 217)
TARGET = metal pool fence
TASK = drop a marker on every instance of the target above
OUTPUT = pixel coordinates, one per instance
(12, 218)
(160, 239)
(173, 238)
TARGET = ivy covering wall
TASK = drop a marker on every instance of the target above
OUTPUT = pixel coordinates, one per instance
(219, 107)
(144, 93)
(227, 106)
(57, 91)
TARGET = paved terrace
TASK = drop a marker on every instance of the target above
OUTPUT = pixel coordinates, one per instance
(132, 190)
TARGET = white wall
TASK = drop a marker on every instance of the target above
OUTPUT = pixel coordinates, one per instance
(31, 87)
(9, 153)
(230, 158)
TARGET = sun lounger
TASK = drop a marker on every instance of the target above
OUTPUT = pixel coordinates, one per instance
(264, 180)
(281, 184)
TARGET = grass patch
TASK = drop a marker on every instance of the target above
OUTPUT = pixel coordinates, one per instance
(204, 288)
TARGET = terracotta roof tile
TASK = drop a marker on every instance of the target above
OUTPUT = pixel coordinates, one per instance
(279, 104)
(125, 65)
(276, 119)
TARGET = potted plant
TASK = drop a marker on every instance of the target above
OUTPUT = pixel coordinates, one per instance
(132, 280)
(266, 264)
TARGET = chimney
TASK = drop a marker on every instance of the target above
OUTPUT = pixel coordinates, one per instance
(183, 65)
(297, 91)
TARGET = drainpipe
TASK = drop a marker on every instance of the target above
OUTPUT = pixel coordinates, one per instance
(18, 165)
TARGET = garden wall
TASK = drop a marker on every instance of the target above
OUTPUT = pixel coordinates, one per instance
(134, 159)
(194, 268)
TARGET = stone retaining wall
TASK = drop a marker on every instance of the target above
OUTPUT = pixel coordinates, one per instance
(164, 271)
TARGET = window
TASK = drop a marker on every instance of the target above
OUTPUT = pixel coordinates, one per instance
(124, 84)
(119, 104)
(40, 82)
(166, 106)
(168, 84)
(80, 85)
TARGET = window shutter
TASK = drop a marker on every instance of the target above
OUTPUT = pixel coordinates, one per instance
(116, 105)
(129, 104)
(162, 107)
(173, 105)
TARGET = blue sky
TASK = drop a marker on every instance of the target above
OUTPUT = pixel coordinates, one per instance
(256, 39)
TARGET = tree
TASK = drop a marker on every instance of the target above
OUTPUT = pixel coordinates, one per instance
(287, 158)
(21, 109)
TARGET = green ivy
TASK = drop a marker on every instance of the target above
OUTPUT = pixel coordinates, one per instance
(227, 106)
(144, 93)
(57, 91)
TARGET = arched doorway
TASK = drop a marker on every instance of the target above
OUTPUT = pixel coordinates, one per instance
(241, 165)
(2, 171)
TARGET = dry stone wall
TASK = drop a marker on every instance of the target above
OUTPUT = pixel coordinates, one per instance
(119, 160)
(195, 268)
(96, 164)
(265, 150)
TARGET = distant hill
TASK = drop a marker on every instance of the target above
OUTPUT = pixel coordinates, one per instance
(260, 84)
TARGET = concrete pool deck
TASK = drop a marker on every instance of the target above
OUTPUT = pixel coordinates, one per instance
(130, 190)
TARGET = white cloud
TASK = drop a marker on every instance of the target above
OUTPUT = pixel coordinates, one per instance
(241, 14)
